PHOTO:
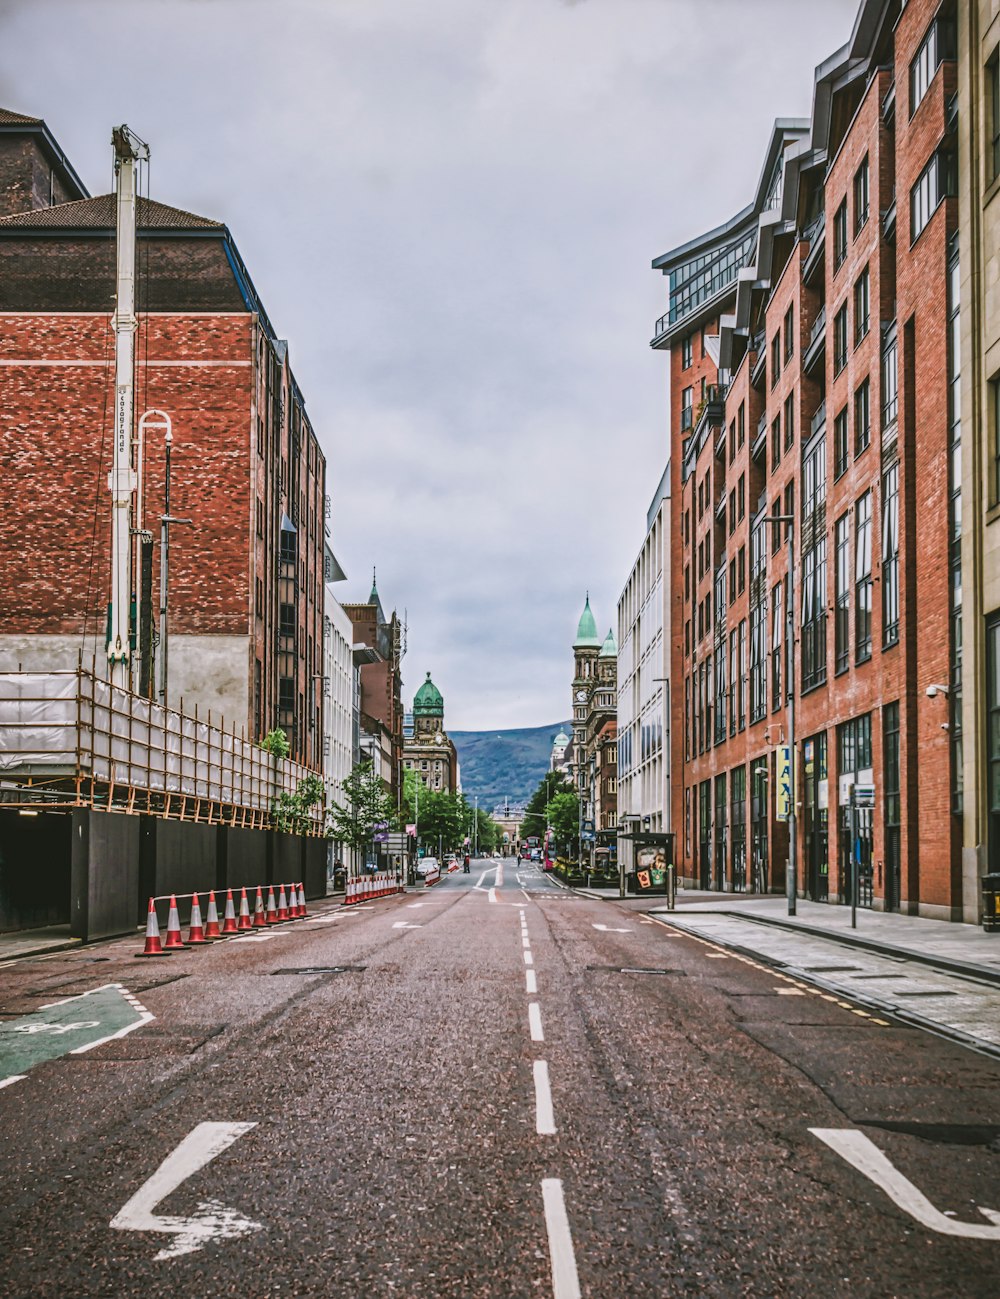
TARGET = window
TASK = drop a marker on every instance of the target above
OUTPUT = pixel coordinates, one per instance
(732, 511)
(777, 529)
(687, 409)
(775, 358)
(993, 108)
(789, 509)
(720, 694)
(938, 44)
(741, 699)
(686, 351)
(260, 517)
(842, 593)
(758, 662)
(890, 381)
(862, 303)
(776, 442)
(286, 619)
(260, 597)
(814, 566)
(789, 412)
(742, 496)
(993, 742)
(289, 547)
(863, 579)
(840, 340)
(890, 556)
(935, 182)
(777, 640)
(741, 568)
(840, 443)
(860, 196)
(741, 432)
(732, 580)
(862, 418)
(840, 236)
(789, 332)
(732, 440)
(286, 694)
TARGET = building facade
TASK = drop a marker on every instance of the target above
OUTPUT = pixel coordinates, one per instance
(594, 759)
(245, 589)
(339, 671)
(381, 703)
(429, 752)
(644, 677)
(816, 553)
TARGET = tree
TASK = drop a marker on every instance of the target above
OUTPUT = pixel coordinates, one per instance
(290, 812)
(368, 803)
(563, 814)
(441, 818)
(551, 784)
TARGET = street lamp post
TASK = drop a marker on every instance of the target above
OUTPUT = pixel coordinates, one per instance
(792, 875)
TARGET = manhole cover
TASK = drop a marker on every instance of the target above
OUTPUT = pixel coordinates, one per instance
(636, 969)
(320, 969)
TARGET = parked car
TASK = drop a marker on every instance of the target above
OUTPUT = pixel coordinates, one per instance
(536, 854)
(428, 865)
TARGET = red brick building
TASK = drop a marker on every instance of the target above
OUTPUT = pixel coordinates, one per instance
(381, 704)
(246, 576)
(811, 369)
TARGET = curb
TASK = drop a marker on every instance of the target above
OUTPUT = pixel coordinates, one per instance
(70, 945)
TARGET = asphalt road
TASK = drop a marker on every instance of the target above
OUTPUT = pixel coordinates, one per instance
(497, 1091)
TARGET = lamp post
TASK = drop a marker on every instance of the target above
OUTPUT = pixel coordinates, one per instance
(792, 874)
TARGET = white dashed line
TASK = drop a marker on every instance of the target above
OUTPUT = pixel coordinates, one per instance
(535, 1022)
(545, 1122)
(528, 958)
(565, 1282)
(530, 981)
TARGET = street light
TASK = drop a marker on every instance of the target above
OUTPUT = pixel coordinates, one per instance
(790, 883)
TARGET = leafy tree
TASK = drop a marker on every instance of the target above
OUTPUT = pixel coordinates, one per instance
(290, 812)
(487, 832)
(535, 814)
(276, 742)
(441, 820)
(367, 802)
(563, 814)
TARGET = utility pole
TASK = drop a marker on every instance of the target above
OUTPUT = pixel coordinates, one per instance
(475, 830)
(129, 150)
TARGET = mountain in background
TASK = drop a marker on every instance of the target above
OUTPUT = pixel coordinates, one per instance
(500, 765)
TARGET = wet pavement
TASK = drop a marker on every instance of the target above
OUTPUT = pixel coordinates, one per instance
(489, 1088)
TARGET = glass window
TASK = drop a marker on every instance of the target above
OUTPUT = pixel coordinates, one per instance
(861, 196)
(789, 413)
(862, 297)
(842, 592)
(776, 442)
(775, 358)
(687, 409)
(758, 662)
(890, 381)
(777, 641)
(938, 44)
(890, 556)
(840, 340)
(789, 331)
(993, 100)
(840, 235)
(863, 578)
(686, 350)
(840, 443)
(862, 418)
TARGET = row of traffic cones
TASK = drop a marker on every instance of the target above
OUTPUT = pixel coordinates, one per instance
(368, 887)
(289, 906)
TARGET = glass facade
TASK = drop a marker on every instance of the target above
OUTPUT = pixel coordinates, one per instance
(704, 276)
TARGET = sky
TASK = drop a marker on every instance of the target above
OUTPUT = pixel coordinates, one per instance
(449, 209)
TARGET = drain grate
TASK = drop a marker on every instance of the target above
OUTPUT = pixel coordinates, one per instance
(931, 992)
(829, 969)
(321, 969)
(636, 969)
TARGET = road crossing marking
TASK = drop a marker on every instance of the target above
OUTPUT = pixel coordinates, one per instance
(565, 1280)
(866, 1157)
(545, 1122)
(535, 1022)
(211, 1220)
(531, 983)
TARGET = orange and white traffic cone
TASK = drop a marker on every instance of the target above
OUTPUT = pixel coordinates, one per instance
(174, 940)
(282, 904)
(271, 914)
(212, 929)
(244, 922)
(153, 945)
(302, 903)
(259, 921)
(197, 933)
(229, 925)
(297, 901)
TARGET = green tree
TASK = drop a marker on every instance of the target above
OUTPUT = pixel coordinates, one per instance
(367, 803)
(290, 812)
(442, 820)
(535, 813)
(563, 814)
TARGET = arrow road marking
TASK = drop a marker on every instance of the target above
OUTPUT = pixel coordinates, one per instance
(211, 1220)
(866, 1157)
(606, 929)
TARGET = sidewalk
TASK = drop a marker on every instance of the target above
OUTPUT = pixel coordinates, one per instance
(36, 942)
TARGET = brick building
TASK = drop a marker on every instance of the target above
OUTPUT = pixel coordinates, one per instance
(381, 705)
(246, 589)
(796, 333)
(429, 750)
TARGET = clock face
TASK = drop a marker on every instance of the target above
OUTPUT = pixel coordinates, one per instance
(438, 739)
(581, 695)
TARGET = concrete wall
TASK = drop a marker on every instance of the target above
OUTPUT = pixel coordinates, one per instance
(243, 857)
(105, 873)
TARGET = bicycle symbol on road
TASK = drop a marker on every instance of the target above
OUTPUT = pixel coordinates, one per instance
(55, 1028)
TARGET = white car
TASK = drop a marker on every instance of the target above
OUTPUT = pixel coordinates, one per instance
(428, 865)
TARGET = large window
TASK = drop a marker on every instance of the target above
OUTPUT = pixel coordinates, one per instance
(721, 689)
(935, 182)
(840, 339)
(862, 417)
(861, 196)
(891, 803)
(734, 650)
(862, 305)
(840, 443)
(758, 662)
(840, 235)
(863, 578)
(789, 413)
(686, 350)
(890, 380)
(738, 849)
(813, 533)
(789, 333)
(741, 696)
(777, 642)
(687, 409)
(842, 593)
(890, 555)
(937, 45)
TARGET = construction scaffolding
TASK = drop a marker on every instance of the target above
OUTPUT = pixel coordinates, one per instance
(71, 739)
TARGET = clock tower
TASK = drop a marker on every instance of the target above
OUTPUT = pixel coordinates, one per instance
(429, 751)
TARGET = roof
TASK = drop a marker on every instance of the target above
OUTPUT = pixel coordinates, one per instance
(609, 650)
(428, 701)
(9, 118)
(561, 740)
(12, 123)
(586, 632)
(99, 214)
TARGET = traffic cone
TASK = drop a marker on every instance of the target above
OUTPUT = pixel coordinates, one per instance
(259, 921)
(271, 914)
(229, 925)
(197, 934)
(174, 940)
(153, 945)
(297, 901)
(302, 903)
(244, 922)
(282, 904)
(212, 929)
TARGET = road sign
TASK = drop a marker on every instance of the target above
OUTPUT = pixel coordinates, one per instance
(67, 1027)
(783, 784)
(588, 836)
(863, 795)
(588, 825)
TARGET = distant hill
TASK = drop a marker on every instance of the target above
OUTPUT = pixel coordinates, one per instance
(505, 764)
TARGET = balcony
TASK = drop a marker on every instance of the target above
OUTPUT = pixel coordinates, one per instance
(816, 347)
(815, 258)
(818, 420)
(687, 418)
(659, 329)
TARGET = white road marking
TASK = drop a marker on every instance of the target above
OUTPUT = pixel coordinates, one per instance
(866, 1157)
(211, 1220)
(565, 1281)
(606, 929)
(528, 958)
(526, 941)
(717, 956)
(405, 924)
(412, 906)
(14, 1077)
(257, 938)
(530, 982)
(535, 1022)
(789, 992)
(545, 1121)
(493, 895)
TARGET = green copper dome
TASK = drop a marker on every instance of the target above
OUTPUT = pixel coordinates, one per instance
(561, 740)
(609, 650)
(586, 633)
(428, 701)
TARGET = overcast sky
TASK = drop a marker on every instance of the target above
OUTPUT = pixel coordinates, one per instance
(449, 208)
